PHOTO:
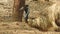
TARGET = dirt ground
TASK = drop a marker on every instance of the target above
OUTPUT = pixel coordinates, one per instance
(20, 28)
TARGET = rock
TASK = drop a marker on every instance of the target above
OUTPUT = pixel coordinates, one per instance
(6, 8)
(40, 23)
(46, 11)
(9, 10)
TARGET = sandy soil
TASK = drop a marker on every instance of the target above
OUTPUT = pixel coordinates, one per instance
(20, 28)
